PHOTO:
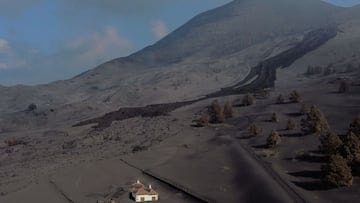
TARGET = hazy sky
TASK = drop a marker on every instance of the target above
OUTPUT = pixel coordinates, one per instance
(46, 40)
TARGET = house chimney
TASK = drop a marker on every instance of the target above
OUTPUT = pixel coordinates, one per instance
(138, 181)
(150, 187)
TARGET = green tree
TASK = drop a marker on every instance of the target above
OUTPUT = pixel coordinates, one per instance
(355, 126)
(337, 172)
(304, 109)
(290, 125)
(351, 149)
(228, 110)
(315, 122)
(254, 130)
(330, 143)
(274, 117)
(216, 112)
(248, 100)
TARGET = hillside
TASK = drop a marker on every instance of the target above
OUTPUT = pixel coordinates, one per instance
(213, 50)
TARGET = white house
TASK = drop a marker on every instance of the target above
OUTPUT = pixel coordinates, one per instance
(142, 194)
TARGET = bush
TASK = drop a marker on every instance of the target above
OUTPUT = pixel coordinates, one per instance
(273, 140)
(344, 86)
(315, 122)
(216, 112)
(248, 100)
(254, 130)
(295, 97)
(274, 118)
(330, 143)
(280, 99)
(228, 110)
(11, 141)
(337, 173)
(290, 125)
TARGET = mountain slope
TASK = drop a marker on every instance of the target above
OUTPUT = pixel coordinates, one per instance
(213, 50)
(235, 26)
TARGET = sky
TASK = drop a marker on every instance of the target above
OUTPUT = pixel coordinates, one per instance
(47, 40)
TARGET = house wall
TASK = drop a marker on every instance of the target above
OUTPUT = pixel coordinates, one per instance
(147, 198)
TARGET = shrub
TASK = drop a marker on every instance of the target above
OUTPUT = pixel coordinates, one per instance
(295, 97)
(330, 143)
(280, 99)
(290, 125)
(254, 130)
(315, 122)
(337, 173)
(248, 100)
(274, 118)
(11, 141)
(216, 112)
(344, 86)
(228, 110)
(273, 140)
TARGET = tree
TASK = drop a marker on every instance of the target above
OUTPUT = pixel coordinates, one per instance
(254, 130)
(204, 120)
(295, 97)
(304, 109)
(228, 110)
(274, 118)
(315, 122)
(344, 86)
(330, 143)
(328, 70)
(248, 100)
(351, 149)
(337, 173)
(280, 99)
(290, 125)
(313, 70)
(355, 126)
(273, 140)
(216, 112)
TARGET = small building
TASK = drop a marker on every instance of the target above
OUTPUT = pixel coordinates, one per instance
(140, 193)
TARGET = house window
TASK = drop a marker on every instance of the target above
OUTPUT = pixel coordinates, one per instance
(153, 198)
